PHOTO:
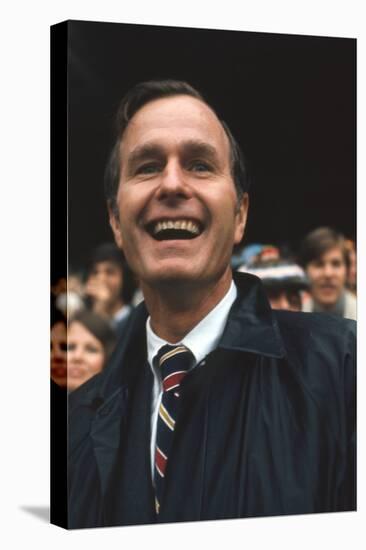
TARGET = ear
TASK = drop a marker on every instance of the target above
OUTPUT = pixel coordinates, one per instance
(116, 228)
(241, 218)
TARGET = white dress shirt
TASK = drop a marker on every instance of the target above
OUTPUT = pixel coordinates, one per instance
(201, 340)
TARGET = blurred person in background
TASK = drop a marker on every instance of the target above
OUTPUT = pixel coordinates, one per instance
(70, 299)
(245, 255)
(283, 280)
(58, 347)
(110, 285)
(324, 256)
(90, 342)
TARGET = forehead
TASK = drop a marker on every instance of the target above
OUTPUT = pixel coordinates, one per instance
(333, 253)
(58, 329)
(172, 121)
(106, 265)
(80, 329)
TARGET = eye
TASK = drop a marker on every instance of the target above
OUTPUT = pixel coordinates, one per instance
(200, 166)
(92, 349)
(150, 168)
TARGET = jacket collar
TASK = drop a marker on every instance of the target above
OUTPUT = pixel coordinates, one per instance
(252, 325)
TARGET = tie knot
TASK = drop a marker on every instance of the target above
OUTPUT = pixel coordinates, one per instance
(174, 362)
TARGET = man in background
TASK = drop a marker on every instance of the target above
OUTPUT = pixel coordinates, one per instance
(110, 285)
(325, 258)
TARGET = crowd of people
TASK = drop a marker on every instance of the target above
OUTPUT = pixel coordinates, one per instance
(321, 277)
(90, 310)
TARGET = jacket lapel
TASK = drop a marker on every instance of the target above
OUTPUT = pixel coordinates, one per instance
(114, 393)
(106, 432)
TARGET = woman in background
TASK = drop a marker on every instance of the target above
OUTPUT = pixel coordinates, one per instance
(90, 342)
(58, 347)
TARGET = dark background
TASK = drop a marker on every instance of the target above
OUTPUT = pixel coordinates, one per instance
(289, 100)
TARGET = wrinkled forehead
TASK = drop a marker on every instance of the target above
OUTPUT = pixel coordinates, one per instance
(174, 121)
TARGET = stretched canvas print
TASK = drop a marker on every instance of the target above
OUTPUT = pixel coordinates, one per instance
(203, 293)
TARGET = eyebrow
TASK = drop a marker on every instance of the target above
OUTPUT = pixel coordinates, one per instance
(190, 148)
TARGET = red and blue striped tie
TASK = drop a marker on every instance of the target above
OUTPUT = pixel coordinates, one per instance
(174, 362)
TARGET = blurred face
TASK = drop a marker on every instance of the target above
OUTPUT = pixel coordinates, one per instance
(58, 354)
(327, 277)
(85, 355)
(178, 210)
(285, 299)
(109, 275)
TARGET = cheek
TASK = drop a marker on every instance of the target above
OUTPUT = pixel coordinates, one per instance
(342, 277)
(114, 283)
(314, 275)
(96, 361)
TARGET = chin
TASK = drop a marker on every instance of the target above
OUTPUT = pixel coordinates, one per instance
(328, 302)
(172, 276)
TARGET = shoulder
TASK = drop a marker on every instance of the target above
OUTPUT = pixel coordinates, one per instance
(302, 326)
(117, 371)
(321, 350)
(320, 343)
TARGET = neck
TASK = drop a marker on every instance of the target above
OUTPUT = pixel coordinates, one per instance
(177, 308)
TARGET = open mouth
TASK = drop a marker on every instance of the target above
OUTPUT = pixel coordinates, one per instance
(184, 229)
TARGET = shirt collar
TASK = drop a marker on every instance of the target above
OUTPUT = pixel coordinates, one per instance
(204, 337)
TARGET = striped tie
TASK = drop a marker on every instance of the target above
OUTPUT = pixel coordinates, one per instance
(174, 362)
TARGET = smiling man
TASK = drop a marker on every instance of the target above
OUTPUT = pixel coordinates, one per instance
(213, 406)
(178, 213)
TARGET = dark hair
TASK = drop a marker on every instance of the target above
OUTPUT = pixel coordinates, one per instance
(137, 97)
(318, 242)
(99, 327)
(109, 252)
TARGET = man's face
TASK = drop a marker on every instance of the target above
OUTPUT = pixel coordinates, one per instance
(327, 277)
(178, 210)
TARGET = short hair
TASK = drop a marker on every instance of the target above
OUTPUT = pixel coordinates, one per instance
(133, 101)
(320, 241)
(109, 252)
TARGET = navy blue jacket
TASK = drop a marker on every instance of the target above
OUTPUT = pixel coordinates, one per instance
(266, 426)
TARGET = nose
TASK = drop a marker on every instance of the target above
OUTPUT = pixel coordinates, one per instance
(173, 182)
(57, 354)
(328, 270)
(75, 354)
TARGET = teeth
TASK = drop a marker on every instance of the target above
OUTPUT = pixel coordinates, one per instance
(187, 225)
